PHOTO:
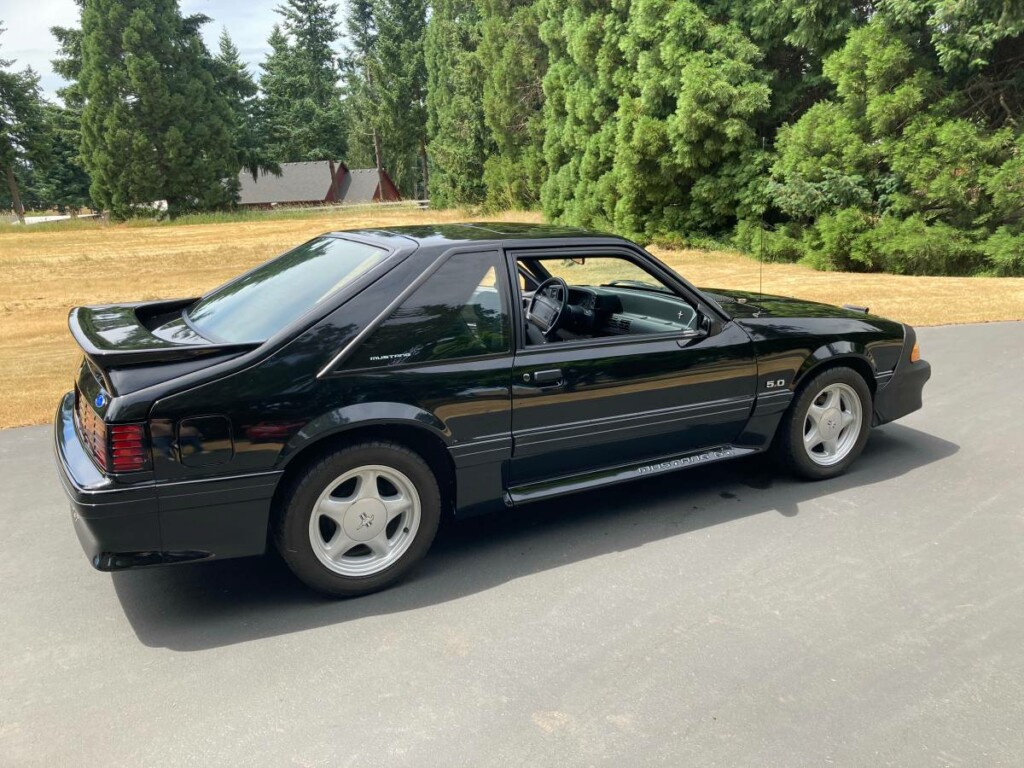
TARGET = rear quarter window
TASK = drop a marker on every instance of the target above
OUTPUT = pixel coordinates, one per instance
(460, 311)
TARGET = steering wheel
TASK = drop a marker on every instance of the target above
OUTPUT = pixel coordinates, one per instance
(547, 307)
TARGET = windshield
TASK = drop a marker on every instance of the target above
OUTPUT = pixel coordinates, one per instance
(258, 305)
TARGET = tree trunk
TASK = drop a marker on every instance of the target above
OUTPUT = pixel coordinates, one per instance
(376, 136)
(376, 151)
(12, 185)
(426, 171)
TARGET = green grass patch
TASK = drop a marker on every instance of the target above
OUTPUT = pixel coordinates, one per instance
(218, 217)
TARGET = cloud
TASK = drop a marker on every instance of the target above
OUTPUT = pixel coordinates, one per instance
(29, 42)
(28, 39)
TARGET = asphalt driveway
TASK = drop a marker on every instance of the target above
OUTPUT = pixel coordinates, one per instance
(721, 616)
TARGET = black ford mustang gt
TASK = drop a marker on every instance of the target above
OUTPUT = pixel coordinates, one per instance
(340, 398)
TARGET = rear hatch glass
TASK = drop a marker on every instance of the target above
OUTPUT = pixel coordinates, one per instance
(262, 302)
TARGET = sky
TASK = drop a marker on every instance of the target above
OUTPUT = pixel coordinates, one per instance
(28, 40)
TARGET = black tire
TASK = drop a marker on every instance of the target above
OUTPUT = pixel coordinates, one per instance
(788, 446)
(292, 524)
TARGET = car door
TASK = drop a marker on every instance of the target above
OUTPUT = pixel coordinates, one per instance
(587, 404)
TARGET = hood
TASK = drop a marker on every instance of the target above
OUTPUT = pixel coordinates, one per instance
(741, 304)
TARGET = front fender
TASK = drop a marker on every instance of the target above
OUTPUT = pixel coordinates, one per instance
(836, 350)
(349, 417)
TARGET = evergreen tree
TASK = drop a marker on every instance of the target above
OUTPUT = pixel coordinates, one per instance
(302, 111)
(513, 60)
(457, 137)
(24, 137)
(239, 88)
(582, 86)
(398, 80)
(386, 90)
(65, 182)
(154, 125)
(905, 170)
(363, 134)
(278, 85)
(685, 149)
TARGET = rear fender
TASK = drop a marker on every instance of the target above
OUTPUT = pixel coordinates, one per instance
(349, 417)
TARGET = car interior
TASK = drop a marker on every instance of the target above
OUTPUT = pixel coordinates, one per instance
(613, 297)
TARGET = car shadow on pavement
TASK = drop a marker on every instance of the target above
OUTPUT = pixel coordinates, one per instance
(208, 605)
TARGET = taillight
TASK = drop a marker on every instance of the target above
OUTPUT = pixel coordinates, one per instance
(129, 449)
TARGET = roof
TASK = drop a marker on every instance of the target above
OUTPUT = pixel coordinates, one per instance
(359, 185)
(298, 183)
(448, 234)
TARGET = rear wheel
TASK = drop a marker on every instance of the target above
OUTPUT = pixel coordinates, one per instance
(826, 427)
(358, 520)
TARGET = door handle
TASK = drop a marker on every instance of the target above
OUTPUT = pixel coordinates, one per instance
(548, 378)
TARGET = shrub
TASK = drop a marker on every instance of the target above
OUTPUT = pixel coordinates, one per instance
(913, 247)
(830, 243)
(779, 243)
(1004, 252)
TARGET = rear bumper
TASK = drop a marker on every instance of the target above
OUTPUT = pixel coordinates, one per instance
(124, 526)
(903, 393)
(118, 526)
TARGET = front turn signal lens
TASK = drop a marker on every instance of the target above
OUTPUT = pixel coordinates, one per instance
(915, 353)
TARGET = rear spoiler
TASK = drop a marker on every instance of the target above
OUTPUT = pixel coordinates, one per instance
(114, 336)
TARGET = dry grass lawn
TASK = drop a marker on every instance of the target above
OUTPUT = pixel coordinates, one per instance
(44, 273)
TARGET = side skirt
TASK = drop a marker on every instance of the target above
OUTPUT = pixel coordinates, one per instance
(524, 494)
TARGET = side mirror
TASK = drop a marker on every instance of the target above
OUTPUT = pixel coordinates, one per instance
(708, 324)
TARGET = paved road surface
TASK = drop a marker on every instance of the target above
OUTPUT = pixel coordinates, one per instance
(725, 616)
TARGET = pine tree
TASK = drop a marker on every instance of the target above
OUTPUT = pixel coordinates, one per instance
(313, 28)
(24, 137)
(915, 165)
(278, 85)
(457, 138)
(398, 78)
(363, 133)
(302, 112)
(65, 182)
(237, 85)
(582, 86)
(154, 125)
(685, 148)
(386, 89)
(513, 61)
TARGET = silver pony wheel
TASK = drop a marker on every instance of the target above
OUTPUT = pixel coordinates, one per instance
(365, 520)
(832, 424)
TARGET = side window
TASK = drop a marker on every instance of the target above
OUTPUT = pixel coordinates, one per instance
(460, 311)
(609, 271)
(609, 296)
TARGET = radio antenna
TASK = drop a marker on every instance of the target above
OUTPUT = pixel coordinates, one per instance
(760, 261)
(760, 264)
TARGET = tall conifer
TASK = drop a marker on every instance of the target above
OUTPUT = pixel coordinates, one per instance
(154, 126)
(457, 138)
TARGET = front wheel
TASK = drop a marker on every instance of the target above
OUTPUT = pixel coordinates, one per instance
(358, 520)
(826, 427)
